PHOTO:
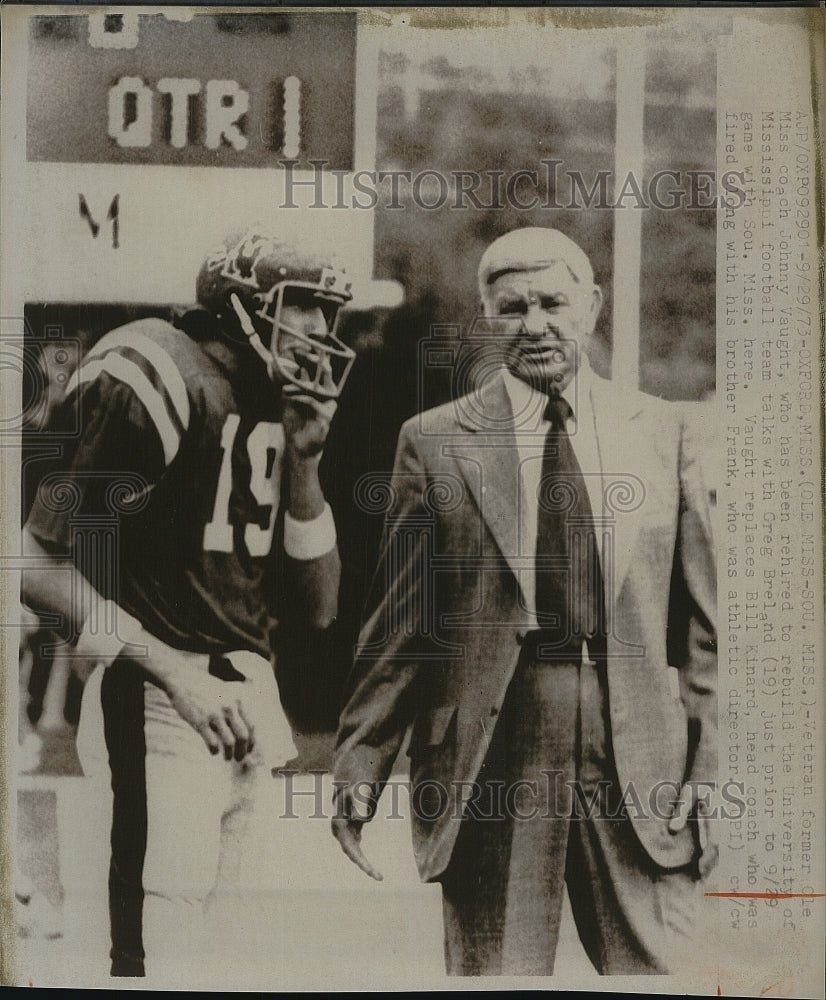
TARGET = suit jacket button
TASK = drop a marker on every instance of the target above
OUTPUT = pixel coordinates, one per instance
(494, 710)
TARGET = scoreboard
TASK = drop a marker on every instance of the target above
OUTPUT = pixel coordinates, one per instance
(228, 90)
(148, 135)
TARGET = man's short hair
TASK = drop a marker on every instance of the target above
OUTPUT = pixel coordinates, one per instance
(530, 249)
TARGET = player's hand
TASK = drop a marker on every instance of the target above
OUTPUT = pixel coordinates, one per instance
(306, 419)
(215, 709)
(693, 803)
(347, 832)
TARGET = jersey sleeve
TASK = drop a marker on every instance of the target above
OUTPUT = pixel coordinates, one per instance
(128, 432)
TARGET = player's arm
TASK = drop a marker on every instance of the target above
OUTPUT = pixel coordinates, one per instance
(215, 709)
(314, 567)
(127, 438)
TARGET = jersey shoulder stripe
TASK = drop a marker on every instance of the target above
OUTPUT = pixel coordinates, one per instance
(123, 370)
(157, 357)
(134, 356)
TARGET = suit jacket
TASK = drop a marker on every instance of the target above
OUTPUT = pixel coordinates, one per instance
(447, 612)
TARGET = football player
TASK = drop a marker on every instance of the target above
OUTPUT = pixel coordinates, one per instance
(185, 528)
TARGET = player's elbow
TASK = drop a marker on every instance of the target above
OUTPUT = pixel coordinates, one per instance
(324, 609)
(318, 583)
(322, 620)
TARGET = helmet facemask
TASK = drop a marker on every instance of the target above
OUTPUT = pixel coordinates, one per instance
(316, 363)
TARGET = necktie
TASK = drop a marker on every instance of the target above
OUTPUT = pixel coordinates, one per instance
(570, 604)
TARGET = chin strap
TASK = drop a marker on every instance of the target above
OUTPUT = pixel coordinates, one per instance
(251, 333)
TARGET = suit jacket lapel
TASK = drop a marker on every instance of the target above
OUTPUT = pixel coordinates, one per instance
(489, 462)
(620, 448)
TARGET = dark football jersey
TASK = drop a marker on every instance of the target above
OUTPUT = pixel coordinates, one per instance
(168, 499)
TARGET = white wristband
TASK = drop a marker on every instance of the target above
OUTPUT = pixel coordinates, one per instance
(305, 540)
(107, 629)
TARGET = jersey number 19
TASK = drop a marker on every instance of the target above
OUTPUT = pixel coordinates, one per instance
(265, 448)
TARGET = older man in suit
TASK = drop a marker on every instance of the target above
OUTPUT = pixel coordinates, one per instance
(542, 616)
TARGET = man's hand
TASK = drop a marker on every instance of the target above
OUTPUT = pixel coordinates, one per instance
(306, 420)
(347, 832)
(215, 709)
(693, 801)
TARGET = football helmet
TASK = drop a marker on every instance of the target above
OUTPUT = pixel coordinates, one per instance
(248, 281)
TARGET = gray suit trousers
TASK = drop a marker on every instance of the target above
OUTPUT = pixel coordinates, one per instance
(549, 812)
